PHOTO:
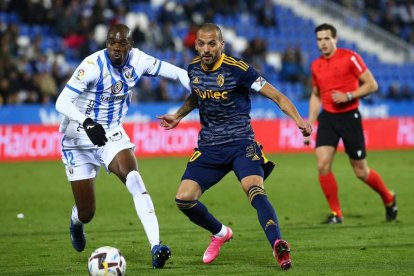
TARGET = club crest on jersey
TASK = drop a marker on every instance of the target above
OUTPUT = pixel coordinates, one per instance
(220, 80)
(128, 73)
(80, 74)
(117, 87)
(116, 136)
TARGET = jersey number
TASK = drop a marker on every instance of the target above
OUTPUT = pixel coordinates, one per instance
(195, 155)
(69, 157)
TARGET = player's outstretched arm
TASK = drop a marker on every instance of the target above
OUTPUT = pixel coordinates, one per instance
(287, 107)
(170, 121)
(172, 72)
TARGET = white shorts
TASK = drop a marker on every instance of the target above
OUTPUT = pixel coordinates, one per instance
(82, 159)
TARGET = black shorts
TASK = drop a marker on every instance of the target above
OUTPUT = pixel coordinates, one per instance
(346, 126)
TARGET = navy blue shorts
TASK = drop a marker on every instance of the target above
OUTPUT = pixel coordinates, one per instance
(209, 164)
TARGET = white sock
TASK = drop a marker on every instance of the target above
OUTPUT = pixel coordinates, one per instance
(144, 207)
(74, 216)
(222, 232)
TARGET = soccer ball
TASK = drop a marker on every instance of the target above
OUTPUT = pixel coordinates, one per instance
(106, 261)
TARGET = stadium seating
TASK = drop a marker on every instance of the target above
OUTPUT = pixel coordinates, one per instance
(291, 31)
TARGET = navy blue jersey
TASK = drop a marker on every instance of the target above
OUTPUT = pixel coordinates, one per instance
(223, 100)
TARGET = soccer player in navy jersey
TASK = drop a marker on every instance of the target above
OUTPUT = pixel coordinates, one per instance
(221, 88)
(94, 103)
(340, 77)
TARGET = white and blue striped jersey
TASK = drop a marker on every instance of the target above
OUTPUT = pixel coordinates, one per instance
(102, 91)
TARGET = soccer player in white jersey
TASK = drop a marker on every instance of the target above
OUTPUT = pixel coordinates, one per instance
(94, 103)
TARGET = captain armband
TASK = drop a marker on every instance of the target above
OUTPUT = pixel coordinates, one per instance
(258, 84)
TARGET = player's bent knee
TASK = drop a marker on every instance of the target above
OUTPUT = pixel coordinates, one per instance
(184, 196)
(361, 174)
(252, 181)
(324, 169)
(188, 190)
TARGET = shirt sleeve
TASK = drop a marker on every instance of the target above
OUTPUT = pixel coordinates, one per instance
(249, 77)
(65, 105)
(357, 64)
(173, 72)
(156, 67)
(77, 84)
(83, 76)
(314, 80)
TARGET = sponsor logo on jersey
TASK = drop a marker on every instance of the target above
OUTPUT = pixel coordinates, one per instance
(89, 107)
(117, 87)
(88, 112)
(70, 169)
(80, 74)
(196, 80)
(210, 94)
(106, 99)
(220, 80)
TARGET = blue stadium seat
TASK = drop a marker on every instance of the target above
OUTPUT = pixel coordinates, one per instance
(292, 31)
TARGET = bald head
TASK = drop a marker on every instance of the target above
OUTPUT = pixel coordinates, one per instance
(119, 31)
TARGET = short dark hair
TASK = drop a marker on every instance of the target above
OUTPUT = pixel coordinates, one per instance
(208, 27)
(326, 27)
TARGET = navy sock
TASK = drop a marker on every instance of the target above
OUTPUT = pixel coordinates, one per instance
(265, 213)
(198, 213)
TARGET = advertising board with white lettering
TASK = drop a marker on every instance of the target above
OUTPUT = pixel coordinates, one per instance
(25, 142)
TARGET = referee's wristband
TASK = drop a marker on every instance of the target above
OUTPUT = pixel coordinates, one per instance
(349, 96)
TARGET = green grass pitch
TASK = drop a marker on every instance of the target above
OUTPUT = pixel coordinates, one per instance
(365, 244)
